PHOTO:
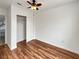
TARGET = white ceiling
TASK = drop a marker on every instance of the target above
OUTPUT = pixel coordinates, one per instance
(46, 3)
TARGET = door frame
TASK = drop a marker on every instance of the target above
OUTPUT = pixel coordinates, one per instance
(25, 26)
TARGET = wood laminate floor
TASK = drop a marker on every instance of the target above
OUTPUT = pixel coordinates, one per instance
(35, 50)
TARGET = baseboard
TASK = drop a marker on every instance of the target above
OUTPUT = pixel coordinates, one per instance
(21, 41)
(13, 49)
(59, 48)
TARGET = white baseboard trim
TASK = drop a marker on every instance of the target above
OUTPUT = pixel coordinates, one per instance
(60, 47)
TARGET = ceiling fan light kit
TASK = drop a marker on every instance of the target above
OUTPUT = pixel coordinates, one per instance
(33, 7)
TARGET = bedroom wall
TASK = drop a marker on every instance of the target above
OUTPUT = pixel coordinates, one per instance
(59, 26)
(14, 11)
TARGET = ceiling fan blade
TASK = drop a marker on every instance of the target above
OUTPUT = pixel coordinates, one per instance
(28, 7)
(29, 2)
(37, 9)
(19, 4)
(39, 4)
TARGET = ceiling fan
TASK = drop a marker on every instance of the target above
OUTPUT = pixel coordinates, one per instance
(34, 5)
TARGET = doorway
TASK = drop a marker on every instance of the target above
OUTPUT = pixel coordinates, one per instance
(21, 28)
(2, 29)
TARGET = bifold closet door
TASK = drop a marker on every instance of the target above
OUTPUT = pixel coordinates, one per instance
(21, 28)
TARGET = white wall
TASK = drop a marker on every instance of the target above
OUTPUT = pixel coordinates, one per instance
(9, 27)
(3, 11)
(14, 11)
(59, 26)
(29, 21)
